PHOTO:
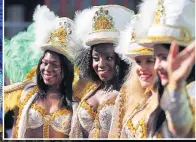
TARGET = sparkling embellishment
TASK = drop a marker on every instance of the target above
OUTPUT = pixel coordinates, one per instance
(102, 20)
(61, 35)
(160, 13)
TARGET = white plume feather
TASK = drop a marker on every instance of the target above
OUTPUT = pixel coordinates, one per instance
(83, 23)
(147, 10)
(177, 12)
(84, 20)
(45, 23)
(181, 14)
(125, 38)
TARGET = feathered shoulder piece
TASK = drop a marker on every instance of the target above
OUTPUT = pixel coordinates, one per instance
(12, 94)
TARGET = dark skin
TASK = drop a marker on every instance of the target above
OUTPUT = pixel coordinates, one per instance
(104, 65)
(52, 76)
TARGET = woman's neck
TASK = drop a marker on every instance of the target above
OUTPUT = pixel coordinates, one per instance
(154, 96)
(53, 88)
(53, 91)
(107, 86)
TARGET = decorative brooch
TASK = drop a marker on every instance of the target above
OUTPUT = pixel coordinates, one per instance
(102, 20)
(60, 35)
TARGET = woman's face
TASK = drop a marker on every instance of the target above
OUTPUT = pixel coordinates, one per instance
(145, 70)
(51, 69)
(161, 54)
(103, 56)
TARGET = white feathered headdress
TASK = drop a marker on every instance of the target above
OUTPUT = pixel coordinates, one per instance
(54, 33)
(127, 42)
(163, 21)
(101, 24)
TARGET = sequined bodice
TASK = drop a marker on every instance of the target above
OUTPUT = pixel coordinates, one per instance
(104, 114)
(135, 129)
(136, 125)
(87, 115)
(60, 120)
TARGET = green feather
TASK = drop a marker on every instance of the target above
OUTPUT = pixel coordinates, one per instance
(19, 56)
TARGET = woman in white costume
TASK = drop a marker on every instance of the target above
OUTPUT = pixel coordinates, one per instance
(44, 108)
(98, 29)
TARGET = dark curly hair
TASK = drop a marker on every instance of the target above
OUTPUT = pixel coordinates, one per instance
(84, 62)
(67, 68)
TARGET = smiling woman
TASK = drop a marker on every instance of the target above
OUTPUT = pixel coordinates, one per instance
(104, 61)
(138, 98)
(145, 70)
(170, 29)
(99, 63)
(45, 105)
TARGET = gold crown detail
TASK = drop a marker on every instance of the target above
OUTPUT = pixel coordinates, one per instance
(102, 20)
(61, 34)
(160, 13)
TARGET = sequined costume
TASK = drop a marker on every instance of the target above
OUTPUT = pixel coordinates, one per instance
(86, 118)
(33, 116)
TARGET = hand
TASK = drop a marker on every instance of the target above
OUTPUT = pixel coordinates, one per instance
(180, 64)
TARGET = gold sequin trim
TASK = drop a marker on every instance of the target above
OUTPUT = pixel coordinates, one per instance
(48, 118)
(103, 30)
(83, 102)
(108, 102)
(96, 122)
(46, 130)
(21, 105)
(121, 110)
(59, 112)
(160, 13)
(143, 49)
(52, 115)
(59, 36)
(121, 113)
(17, 86)
(168, 38)
(90, 88)
(38, 108)
(134, 129)
(62, 49)
(89, 108)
